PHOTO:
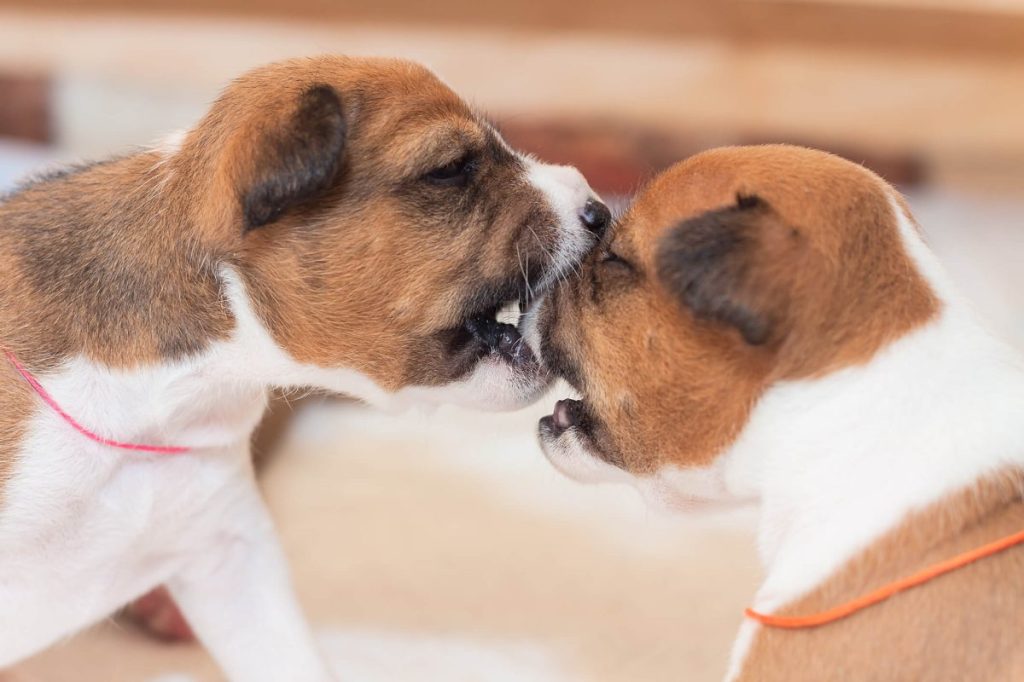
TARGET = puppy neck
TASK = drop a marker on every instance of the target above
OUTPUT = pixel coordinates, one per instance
(254, 355)
(838, 461)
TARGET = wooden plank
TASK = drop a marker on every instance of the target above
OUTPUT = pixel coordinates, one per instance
(933, 27)
(127, 80)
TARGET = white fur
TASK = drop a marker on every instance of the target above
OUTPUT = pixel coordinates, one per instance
(569, 455)
(168, 145)
(88, 527)
(85, 528)
(567, 192)
(928, 415)
(492, 385)
(838, 461)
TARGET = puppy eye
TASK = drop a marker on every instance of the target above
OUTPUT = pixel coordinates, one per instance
(452, 174)
(610, 259)
(610, 273)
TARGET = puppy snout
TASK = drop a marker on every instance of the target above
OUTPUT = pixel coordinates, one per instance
(596, 217)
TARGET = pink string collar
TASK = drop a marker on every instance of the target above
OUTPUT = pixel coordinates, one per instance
(91, 435)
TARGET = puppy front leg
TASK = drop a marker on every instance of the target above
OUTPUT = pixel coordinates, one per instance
(237, 596)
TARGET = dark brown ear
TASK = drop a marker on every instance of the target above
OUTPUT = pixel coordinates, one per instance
(710, 264)
(296, 161)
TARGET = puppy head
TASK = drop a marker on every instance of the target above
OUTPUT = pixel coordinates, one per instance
(380, 224)
(733, 270)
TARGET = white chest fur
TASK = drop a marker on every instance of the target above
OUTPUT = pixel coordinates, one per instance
(839, 461)
(90, 527)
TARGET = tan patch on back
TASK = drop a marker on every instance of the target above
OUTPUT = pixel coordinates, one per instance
(966, 625)
(105, 261)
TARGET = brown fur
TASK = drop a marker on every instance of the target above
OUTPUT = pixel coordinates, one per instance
(744, 266)
(117, 232)
(92, 253)
(956, 627)
(379, 224)
(312, 179)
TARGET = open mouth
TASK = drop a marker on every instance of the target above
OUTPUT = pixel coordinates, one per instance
(576, 444)
(496, 332)
(566, 415)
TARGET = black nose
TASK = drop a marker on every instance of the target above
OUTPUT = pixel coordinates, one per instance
(596, 217)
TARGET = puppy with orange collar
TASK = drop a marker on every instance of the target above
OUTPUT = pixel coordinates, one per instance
(348, 224)
(766, 324)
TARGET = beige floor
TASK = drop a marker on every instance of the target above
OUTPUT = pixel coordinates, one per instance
(442, 547)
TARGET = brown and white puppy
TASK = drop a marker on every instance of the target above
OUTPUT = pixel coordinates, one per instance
(348, 224)
(767, 324)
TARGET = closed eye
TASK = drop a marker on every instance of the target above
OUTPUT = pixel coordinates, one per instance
(610, 259)
(455, 173)
(611, 273)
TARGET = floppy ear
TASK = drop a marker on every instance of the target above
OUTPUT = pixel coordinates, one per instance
(710, 263)
(297, 159)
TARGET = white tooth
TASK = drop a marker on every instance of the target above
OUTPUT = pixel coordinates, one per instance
(509, 313)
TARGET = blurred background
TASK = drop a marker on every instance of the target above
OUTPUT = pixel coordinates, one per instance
(441, 546)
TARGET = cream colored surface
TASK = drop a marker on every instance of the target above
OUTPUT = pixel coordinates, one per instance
(443, 547)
